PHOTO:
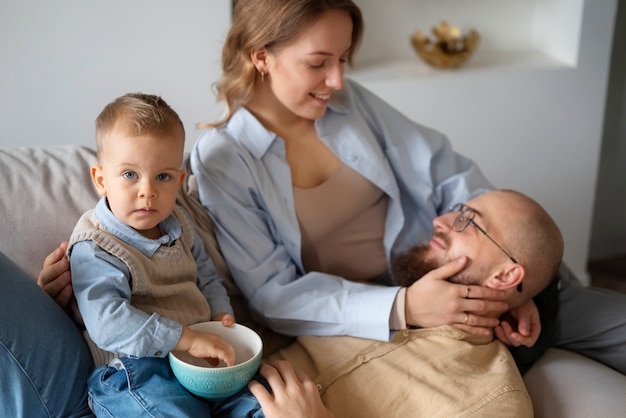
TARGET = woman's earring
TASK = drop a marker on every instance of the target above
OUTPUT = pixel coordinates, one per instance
(262, 76)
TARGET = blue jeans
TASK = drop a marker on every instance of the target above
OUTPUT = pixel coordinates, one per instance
(44, 360)
(146, 387)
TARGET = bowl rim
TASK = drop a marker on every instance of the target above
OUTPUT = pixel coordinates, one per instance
(224, 369)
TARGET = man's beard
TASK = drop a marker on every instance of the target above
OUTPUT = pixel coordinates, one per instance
(408, 267)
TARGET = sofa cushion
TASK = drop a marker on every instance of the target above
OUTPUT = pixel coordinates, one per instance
(566, 384)
(44, 191)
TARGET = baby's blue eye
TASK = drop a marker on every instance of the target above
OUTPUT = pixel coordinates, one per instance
(130, 175)
(163, 177)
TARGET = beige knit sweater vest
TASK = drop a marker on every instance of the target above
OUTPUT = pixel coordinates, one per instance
(163, 284)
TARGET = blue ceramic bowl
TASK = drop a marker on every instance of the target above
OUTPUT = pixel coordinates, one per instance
(221, 381)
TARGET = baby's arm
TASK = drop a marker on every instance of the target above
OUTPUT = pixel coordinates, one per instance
(209, 283)
(204, 345)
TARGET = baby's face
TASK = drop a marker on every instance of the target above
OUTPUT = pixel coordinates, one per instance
(140, 176)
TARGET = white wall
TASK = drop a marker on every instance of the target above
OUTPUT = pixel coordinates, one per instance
(531, 120)
(62, 61)
(534, 129)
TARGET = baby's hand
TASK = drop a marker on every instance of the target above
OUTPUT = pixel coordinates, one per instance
(227, 319)
(207, 346)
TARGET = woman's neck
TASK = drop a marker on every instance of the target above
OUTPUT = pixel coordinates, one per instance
(276, 117)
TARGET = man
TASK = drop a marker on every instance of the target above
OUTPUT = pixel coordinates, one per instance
(524, 258)
(511, 244)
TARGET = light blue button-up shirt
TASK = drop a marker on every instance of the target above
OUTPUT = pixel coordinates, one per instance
(103, 291)
(244, 182)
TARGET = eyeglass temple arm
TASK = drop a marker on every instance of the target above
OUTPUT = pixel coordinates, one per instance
(520, 286)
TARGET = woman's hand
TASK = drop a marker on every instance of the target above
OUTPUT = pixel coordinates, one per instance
(294, 395)
(432, 301)
(526, 319)
(55, 277)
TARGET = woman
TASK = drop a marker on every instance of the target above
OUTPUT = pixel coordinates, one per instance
(318, 182)
(314, 183)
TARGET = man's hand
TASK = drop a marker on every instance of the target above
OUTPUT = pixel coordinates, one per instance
(520, 326)
(432, 301)
(294, 395)
(55, 277)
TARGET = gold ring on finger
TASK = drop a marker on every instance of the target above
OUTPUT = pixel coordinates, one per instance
(466, 319)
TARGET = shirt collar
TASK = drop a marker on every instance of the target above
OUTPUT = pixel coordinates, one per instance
(244, 127)
(170, 228)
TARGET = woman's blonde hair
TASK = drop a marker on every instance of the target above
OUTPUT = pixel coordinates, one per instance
(270, 24)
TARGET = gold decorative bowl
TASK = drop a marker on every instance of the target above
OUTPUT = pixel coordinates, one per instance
(449, 49)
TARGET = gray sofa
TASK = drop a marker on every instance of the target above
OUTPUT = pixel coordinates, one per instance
(45, 189)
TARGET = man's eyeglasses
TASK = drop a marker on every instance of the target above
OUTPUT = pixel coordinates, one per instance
(465, 217)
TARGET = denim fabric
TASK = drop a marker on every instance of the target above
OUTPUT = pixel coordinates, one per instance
(44, 361)
(146, 387)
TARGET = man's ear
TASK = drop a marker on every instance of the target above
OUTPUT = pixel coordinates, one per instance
(259, 59)
(511, 275)
(98, 179)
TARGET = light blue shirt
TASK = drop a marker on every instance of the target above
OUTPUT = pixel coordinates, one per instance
(244, 182)
(102, 288)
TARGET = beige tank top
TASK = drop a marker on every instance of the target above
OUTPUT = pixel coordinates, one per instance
(342, 223)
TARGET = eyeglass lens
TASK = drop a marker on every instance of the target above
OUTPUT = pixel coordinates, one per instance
(464, 217)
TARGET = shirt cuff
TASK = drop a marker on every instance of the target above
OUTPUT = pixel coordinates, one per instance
(397, 320)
